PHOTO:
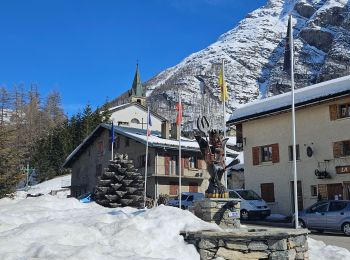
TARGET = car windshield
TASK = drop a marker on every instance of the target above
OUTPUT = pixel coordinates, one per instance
(248, 195)
(184, 197)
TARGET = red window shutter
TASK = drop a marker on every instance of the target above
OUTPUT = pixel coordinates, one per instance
(275, 153)
(182, 166)
(173, 188)
(337, 149)
(166, 164)
(333, 112)
(255, 151)
(193, 187)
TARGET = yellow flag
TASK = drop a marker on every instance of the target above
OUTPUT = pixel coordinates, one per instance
(223, 87)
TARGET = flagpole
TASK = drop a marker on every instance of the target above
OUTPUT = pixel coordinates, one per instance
(223, 97)
(146, 163)
(293, 125)
(112, 151)
(179, 127)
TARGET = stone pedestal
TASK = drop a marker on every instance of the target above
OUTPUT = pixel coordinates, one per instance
(223, 212)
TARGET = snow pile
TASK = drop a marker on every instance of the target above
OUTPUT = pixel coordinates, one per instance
(318, 250)
(51, 228)
(56, 184)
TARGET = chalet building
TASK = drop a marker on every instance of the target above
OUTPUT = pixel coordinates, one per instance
(90, 158)
(323, 145)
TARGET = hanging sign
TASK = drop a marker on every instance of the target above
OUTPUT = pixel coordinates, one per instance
(342, 169)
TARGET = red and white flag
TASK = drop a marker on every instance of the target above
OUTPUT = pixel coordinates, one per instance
(179, 113)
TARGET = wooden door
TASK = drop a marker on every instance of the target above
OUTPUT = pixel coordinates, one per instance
(335, 191)
(299, 195)
(346, 190)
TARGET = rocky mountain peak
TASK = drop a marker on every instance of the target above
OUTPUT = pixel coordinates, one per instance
(253, 54)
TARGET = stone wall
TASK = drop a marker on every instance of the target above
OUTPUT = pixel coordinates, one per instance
(274, 244)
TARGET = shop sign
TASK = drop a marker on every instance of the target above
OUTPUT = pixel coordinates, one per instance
(342, 169)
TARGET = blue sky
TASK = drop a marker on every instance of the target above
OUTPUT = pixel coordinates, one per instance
(87, 50)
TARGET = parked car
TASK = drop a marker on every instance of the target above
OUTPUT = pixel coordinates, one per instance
(333, 215)
(187, 199)
(252, 205)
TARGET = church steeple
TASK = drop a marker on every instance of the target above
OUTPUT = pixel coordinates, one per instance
(136, 93)
(136, 89)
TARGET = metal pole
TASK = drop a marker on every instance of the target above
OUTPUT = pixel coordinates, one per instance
(179, 127)
(223, 96)
(27, 174)
(146, 164)
(293, 126)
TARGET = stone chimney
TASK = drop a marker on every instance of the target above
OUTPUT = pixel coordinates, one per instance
(175, 131)
(165, 129)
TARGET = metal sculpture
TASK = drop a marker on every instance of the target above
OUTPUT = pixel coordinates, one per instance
(212, 146)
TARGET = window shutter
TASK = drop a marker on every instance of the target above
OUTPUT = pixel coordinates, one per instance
(166, 164)
(255, 151)
(275, 153)
(333, 112)
(337, 149)
(267, 192)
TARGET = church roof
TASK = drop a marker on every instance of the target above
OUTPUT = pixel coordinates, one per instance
(136, 89)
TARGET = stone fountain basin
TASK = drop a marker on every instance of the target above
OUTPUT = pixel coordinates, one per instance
(261, 243)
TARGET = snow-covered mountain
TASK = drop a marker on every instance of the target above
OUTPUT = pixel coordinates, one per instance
(253, 53)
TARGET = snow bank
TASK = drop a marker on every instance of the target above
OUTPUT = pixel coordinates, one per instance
(51, 228)
(319, 251)
(51, 185)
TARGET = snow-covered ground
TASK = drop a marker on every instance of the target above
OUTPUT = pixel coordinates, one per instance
(49, 227)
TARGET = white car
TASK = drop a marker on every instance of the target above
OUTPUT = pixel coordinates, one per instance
(187, 199)
(252, 205)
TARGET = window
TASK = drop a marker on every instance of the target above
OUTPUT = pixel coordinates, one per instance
(193, 162)
(266, 153)
(319, 207)
(190, 198)
(337, 205)
(173, 166)
(268, 191)
(290, 152)
(233, 195)
(344, 110)
(313, 189)
(339, 111)
(142, 161)
(135, 121)
(341, 149)
(100, 148)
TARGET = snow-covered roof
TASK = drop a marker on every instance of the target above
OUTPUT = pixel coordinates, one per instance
(140, 135)
(303, 97)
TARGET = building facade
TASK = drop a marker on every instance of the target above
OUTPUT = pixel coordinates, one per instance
(90, 159)
(264, 129)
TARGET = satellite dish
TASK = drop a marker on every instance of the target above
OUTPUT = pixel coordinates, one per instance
(309, 151)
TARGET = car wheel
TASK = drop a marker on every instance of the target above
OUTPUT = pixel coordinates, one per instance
(346, 229)
(319, 230)
(183, 207)
(244, 214)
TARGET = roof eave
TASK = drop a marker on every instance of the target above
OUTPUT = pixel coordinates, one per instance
(285, 109)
